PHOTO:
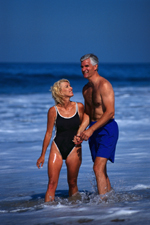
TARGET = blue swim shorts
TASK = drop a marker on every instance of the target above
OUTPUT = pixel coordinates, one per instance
(103, 141)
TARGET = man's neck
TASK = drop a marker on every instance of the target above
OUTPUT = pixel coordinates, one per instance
(93, 79)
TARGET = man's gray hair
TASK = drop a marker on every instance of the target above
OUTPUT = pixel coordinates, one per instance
(93, 58)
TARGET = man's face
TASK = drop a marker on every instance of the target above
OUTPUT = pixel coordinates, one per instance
(87, 68)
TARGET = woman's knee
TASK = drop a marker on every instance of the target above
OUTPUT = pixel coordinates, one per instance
(72, 182)
(52, 184)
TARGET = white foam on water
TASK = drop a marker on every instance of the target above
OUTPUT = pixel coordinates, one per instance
(140, 154)
(122, 212)
(17, 198)
(140, 187)
(3, 211)
(4, 153)
(127, 122)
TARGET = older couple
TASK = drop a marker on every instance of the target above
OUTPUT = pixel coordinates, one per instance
(75, 123)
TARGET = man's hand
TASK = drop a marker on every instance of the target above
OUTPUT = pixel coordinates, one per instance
(85, 135)
(40, 162)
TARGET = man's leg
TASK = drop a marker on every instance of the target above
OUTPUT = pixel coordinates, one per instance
(103, 183)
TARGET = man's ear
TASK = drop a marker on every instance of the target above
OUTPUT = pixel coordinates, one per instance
(96, 67)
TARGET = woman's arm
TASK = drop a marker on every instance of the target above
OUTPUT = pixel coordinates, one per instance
(84, 123)
(81, 111)
(51, 116)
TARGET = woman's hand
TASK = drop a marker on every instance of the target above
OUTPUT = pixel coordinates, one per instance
(77, 140)
(40, 162)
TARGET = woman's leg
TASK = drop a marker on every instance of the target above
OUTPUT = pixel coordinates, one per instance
(73, 163)
(54, 166)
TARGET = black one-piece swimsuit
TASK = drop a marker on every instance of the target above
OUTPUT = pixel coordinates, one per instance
(66, 129)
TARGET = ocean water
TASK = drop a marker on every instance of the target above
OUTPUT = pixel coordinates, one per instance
(24, 102)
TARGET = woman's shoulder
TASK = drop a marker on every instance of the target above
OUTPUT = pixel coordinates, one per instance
(52, 110)
(78, 103)
(80, 106)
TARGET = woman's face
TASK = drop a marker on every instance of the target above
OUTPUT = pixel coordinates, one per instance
(66, 89)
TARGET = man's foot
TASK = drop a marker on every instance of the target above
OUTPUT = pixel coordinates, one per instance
(107, 195)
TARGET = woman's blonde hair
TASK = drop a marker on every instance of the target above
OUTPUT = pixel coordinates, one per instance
(55, 89)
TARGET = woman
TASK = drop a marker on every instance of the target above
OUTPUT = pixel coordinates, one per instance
(67, 117)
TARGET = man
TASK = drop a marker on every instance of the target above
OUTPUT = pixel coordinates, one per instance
(102, 132)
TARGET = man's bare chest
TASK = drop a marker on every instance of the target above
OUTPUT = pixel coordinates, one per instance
(93, 98)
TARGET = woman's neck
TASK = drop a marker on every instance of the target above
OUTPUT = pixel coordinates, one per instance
(66, 104)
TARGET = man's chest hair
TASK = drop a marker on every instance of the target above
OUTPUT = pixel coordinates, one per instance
(93, 97)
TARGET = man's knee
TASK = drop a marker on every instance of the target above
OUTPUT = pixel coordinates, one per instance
(96, 169)
(99, 166)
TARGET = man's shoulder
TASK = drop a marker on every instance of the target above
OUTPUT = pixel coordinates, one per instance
(105, 87)
(103, 79)
(104, 82)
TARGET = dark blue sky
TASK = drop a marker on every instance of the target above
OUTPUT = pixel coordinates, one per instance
(64, 30)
